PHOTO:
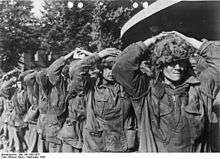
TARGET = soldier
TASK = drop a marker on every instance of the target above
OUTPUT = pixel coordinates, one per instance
(43, 104)
(173, 105)
(56, 113)
(20, 106)
(32, 114)
(1, 123)
(71, 132)
(6, 92)
(105, 111)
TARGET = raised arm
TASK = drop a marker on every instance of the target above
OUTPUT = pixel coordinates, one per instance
(10, 73)
(79, 71)
(127, 69)
(32, 88)
(55, 69)
(209, 63)
(1, 105)
(208, 68)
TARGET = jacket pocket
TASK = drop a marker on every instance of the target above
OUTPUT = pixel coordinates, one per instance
(161, 108)
(165, 109)
(193, 108)
(96, 133)
(99, 107)
(52, 129)
(112, 114)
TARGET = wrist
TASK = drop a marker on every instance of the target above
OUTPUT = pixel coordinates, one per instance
(101, 55)
(195, 43)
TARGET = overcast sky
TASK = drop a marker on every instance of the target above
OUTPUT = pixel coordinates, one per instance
(37, 7)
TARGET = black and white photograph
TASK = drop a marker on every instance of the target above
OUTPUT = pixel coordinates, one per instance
(109, 76)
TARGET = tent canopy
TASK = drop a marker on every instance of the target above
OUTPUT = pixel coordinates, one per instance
(196, 18)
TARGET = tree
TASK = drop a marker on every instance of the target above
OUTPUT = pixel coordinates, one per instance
(60, 30)
(108, 18)
(94, 26)
(18, 33)
(63, 28)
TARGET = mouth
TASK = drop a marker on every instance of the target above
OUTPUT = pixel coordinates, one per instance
(177, 73)
(110, 77)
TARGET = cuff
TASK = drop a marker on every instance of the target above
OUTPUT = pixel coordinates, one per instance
(142, 45)
(204, 46)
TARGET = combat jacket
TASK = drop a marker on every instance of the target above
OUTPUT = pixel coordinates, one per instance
(57, 94)
(43, 101)
(21, 104)
(171, 120)
(1, 105)
(55, 116)
(71, 132)
(6, 92)
(8, 108)
(106, 112)
(33, 96)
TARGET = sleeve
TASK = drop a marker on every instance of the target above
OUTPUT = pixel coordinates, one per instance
(7, 88)
(7, 84)
(32, 88)
(80, 71)
(127, 72)
(43, 81)
(55, 69)
(209, 63)
(23, 74)
(1, 106)
(209, 76)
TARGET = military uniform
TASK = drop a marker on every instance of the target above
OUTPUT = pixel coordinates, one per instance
(57, 106)
(43, 105)
(21, 105)
(7, 129)
(171, 119)
(71, 132)
(105, 112)
(31, 135)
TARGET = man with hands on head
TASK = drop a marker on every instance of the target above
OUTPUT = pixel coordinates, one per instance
(107, 108)
(57, 74)
(173, 103)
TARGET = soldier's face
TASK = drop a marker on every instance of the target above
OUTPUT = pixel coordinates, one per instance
(107, 74)
(94, 72)
(175, 71)
(19, 85)
(193, 61)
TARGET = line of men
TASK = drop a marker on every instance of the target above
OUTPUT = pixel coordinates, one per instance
(148, 98)
(47, 110)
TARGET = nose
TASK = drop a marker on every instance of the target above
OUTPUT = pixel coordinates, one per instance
(96, 70)
(193, 61)
(177, 66)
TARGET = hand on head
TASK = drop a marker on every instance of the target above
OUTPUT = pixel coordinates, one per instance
(108, 52)
(80, 53)
(153, 39)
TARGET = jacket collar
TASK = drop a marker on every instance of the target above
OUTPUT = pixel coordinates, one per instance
(101, 83)
(192, 80)
(159, 88)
